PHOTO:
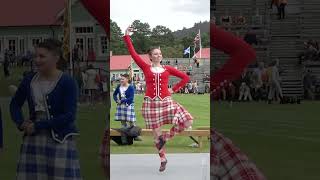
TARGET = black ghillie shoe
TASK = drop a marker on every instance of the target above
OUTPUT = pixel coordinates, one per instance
(163, 166)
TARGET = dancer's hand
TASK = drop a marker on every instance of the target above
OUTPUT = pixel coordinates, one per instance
(29, 130)
(25, 123)
(128, 31)
(171, 91)
(118, 102)
(28, 127)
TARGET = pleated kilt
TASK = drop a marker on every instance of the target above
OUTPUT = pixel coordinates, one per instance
(42, 158)
(125, 113)
(157, 112)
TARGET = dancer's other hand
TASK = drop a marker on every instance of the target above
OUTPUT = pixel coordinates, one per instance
(25, 124)
(29, 130)
(118, 102)
(129, 30)
(171, 91)
(28, 127)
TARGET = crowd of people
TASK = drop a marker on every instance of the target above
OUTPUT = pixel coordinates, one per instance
(259, 83)
(311, 52)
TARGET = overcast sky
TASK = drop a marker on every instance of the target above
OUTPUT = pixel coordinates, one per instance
(174, 14)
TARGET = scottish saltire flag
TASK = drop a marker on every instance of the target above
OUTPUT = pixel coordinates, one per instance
(186, 51)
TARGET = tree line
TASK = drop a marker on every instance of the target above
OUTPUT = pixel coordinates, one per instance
(159, 36)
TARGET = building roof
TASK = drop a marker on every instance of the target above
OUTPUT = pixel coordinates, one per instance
(30, 12)
(122, 62)
(205, 53)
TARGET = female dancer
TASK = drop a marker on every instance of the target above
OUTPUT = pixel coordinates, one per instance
(227, 161)
(48, 149)
(158, 107)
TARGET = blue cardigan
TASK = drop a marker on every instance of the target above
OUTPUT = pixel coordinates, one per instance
(129, 95)
(61, 105)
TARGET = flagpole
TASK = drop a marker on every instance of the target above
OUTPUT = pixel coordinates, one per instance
(200, 43)
(70, 32)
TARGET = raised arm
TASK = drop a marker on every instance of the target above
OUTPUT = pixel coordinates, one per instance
(140, 62)
(184, 78)
(241, 55)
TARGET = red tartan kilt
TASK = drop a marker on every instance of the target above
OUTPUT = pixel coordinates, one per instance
(157, 113)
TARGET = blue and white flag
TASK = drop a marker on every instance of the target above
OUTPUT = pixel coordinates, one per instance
(187, 51)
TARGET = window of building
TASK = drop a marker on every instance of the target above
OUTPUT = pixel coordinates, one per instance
(35, 41)
(22, 46)
(88, 29)
(104, 44)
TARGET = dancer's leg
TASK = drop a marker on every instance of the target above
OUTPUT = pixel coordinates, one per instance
(176, 129)
(156, 134)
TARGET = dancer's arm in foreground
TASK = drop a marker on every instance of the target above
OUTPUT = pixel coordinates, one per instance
(241, 55)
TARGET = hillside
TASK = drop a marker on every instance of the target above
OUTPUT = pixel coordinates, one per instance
(203, 26)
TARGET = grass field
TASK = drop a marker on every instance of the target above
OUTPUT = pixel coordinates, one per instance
(283, 140)
(197, 105)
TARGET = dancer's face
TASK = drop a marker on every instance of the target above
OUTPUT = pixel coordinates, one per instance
(45, 60)
(124, 81)
(156, 56)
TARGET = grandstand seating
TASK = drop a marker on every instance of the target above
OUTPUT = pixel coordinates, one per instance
(283, 38)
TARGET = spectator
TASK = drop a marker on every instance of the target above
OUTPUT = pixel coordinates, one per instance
(244, 92)
(251, 38)
(189, 87)
(91, 55)
(226, 20)
(6, 64)
(91, 83)
(186, 91)
(231, 92)
(309, 86)
(282, 5)
(195, 87)
(198, 63)
(273, 2)
(274, 82)
(257, 77)
(214, 4)
(190, 68)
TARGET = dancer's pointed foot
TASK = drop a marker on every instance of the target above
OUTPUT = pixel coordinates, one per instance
(163, 166)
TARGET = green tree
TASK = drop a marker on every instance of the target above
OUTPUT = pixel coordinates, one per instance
(141, 36)
(117, 45)
(161, 36)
